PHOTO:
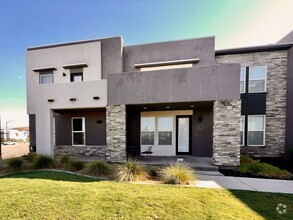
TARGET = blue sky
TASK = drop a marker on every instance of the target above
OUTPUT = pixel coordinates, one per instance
(26, 23)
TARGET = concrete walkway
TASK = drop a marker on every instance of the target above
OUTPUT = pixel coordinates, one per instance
(208, 179)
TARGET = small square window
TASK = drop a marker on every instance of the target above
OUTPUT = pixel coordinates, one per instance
(46, 78)
(76, 77)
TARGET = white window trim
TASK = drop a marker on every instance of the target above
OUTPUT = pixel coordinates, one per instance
(46, 74)
(83, 131)
(264, 131)
(243, 80)
(265, 78)
(243, 138)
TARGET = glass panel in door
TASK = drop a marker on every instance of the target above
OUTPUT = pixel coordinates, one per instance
(183, 135)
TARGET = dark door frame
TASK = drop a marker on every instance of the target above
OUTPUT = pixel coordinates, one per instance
(190, 134)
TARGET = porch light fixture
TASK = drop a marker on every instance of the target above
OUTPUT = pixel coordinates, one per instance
(96, 98)
(167, 106)
(50, 100)
(144, 107)
(72, 99)
(64, 74)
(191, 106)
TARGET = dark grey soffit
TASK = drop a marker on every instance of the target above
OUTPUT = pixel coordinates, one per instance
(262, 48)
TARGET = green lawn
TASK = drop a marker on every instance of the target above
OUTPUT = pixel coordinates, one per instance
(53, 195)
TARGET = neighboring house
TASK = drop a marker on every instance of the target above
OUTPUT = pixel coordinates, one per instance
(100, 98)
(18, 134)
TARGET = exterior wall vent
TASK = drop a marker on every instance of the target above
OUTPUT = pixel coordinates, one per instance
(50, 100)
(96, 98)
(72, 99)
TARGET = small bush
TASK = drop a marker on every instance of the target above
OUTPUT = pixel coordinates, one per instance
(130, 171)
(246, 160)
(15, 164)
(177, 173)
(30, 157)
(153, 171)
(75, 165)
(98, 168)
(268, 170)
(64, 159)
(43, 161)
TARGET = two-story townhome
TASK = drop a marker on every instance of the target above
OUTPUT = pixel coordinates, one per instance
(101, 98)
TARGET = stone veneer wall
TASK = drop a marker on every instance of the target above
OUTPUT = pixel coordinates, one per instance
(116, 132)
(276, 62)
(97, 151)
(226, 133)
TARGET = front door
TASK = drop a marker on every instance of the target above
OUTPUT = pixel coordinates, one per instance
(183, 134)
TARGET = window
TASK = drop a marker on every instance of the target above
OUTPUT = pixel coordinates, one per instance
(256, 130)
(257, 79)
(242, 79)
(76, 77)
(165, 128)
(78, 131)
(178, 66)
(147, 130)
(46, 78)
(242, 126)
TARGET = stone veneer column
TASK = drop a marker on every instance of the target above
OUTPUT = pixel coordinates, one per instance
(116, 132)
(226, 133)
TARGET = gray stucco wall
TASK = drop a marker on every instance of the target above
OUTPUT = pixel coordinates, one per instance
(111, 56)
(202, 48)
(218, 82)
(276, 62)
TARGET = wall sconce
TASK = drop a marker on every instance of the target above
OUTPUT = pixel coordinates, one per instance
(199, 119)
(72, 99)
(96, 97)
(50, 100)
(64, 74)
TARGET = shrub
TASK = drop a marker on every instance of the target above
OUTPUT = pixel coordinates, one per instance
(153, 171)
(130, 171)
(75, 165)
(15, 164)
(98, 168)
(246, 160)
(43, 161)
(30, 157)
(64, 159)
(177, 173)
(268, 170)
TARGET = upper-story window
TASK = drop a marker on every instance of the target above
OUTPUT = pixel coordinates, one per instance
(256, 76)
(242, 79)
(46, 78)
(165, 65)
(76, 75)
(257, 79)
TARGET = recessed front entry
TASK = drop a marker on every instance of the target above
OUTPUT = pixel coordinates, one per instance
(159, 130)
(183, 134)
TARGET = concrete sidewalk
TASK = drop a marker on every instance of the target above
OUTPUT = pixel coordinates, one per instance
(217, 180)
